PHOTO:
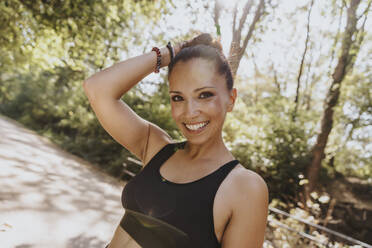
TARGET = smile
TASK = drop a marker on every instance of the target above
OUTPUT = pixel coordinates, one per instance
(196, 127)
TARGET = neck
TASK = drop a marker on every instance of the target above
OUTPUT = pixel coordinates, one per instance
(210, 149)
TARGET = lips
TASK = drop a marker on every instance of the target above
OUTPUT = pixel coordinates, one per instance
(195, 127)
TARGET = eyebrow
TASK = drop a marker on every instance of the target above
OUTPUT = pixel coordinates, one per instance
(178, 92)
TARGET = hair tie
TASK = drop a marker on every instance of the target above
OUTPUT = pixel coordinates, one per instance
(171, 51)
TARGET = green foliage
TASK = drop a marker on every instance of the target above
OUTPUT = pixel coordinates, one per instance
(48, 48)
(288, 232)
(345, 153)
(270, 143)
(154, 108)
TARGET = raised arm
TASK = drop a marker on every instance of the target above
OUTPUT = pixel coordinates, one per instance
(104, 90)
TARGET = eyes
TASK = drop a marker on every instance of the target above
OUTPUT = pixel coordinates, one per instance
(203, 95)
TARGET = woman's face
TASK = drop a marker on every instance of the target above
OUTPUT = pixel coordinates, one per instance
(199, 99)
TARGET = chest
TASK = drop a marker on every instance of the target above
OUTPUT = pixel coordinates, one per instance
(221, 208)
(195, 201)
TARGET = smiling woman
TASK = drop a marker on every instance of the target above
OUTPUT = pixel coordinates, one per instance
(192, 193)
(201, 99)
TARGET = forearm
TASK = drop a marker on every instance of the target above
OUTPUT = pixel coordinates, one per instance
(119, 78)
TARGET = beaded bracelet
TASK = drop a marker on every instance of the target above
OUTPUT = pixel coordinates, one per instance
(158, 59)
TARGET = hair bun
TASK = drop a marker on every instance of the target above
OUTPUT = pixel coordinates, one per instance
(206, 39)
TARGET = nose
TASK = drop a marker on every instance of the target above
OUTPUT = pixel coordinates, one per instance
(191, 110)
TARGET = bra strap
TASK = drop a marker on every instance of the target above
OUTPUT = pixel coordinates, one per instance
(165, 152)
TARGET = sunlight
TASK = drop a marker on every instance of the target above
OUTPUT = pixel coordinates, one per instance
(229, 4)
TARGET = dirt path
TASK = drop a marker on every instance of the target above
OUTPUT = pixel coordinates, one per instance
(50, 198)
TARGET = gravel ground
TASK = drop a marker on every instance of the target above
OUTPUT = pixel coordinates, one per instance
(50, 198)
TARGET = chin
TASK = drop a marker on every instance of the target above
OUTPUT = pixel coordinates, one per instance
(196, 138)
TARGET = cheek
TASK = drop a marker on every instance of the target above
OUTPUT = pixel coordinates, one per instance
(175, 111)
(215, 107)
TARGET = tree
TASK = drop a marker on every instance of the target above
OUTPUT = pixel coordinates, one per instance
(349, 51)
(239, 46)
(47, 49)
(302, 61)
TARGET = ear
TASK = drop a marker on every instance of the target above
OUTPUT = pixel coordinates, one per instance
(232, 98)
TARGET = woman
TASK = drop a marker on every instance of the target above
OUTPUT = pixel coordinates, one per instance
(192, 193)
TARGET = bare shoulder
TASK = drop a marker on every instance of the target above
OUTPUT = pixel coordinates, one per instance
(248, 196)
(246, 185)
(157, 139)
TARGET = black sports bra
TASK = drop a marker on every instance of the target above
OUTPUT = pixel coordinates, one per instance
(160, 213)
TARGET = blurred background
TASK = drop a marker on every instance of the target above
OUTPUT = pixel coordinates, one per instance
(303, 119)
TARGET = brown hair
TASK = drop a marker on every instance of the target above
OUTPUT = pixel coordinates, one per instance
(204, 46)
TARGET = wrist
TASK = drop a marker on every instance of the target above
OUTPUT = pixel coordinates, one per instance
(165, 56)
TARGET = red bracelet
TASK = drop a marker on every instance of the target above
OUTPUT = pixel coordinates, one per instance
(158, 59)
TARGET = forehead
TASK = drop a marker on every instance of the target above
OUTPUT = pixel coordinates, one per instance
(195, 73)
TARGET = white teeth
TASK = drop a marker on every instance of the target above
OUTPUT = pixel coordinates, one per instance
(196, 126)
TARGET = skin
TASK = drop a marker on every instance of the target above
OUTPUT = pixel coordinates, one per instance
(198, 93)
(240, 206)
(198, 97)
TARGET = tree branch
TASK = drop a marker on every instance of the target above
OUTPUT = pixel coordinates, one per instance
(276, 81)
(235, 11)
(256, 18)
(236, 52)
(365, 11)
(246, 10)
(216, 17)
(302, 60)
(336, 39)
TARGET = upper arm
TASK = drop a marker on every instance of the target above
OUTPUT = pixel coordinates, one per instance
(121, 239)
(125, 126)
(247, 225)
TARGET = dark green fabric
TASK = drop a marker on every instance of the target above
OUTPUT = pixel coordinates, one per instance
(155, 233)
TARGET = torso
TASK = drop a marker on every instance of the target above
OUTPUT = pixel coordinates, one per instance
(177, 169)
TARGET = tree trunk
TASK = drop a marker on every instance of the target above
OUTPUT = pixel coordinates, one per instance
(338, 75)
(236, 51)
